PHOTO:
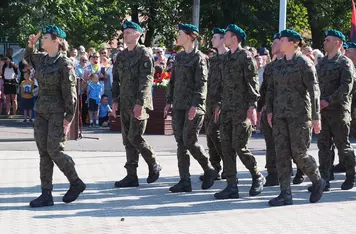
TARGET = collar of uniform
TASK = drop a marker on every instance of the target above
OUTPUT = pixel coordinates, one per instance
(191, 54)
(296, 54)
(333, 59)
(52, 60)
(235, 54)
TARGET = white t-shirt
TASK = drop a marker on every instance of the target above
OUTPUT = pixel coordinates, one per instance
(9, 73)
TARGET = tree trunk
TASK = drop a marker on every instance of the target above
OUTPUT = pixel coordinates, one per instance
(315, 24)
(134, 14)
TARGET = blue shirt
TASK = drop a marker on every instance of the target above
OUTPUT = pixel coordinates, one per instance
(94, 91)
(104, 110)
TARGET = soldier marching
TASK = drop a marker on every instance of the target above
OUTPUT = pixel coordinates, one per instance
(295, 98)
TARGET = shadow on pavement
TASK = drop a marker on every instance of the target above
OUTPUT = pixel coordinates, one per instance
(101, 199)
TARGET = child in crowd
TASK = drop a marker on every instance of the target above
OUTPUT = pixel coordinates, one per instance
(94, 95)
(104, 111)
(27, 87)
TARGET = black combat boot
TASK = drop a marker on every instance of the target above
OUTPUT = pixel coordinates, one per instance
(258, 181)
(332, 176)
(299, 177)
(201, 178)
(127, 182)
(209, 179)
(326, 189)
(271, 179)
(230, 192)
(74, 190)
(45, 199)
(153, 174)
(339, 168)
(284, 198)
(223, 175)
(184, 185)
(318, 190)
(349, 182)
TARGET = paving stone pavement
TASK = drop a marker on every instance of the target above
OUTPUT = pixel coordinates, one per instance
(151, 208)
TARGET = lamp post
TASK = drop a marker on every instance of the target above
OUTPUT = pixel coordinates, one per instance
(282, 14)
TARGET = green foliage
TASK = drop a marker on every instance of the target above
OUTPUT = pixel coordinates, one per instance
(93, 22)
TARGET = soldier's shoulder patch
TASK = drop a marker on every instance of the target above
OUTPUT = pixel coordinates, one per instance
(146, 64)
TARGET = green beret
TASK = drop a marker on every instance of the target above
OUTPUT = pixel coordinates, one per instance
(335, 33)
(276, 36)
(132, 25)
(219, 31)
(351, 45)
(291, 34)
(189, 28)
(55, 31)
(237, 31)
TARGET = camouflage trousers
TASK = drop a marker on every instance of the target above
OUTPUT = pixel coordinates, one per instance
(270, 151)
(48, 133)
(335, 129)
(292, 139)
(353, 128)
(186, 134)
(132, 131)
(234, 135)
(213, 139)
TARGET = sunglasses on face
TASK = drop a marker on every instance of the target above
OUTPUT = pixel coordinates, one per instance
(84, 60)
(95, 57)
(103, 53)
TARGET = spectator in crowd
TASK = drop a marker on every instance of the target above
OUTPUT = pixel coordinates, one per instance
(73, 55)
(108, 80)
(2, 95)
(81, 49)
(27, 87)
(104, 111)
(91, 51)
(264, 53)
(211, 52)
(161, 58)
(308, 51)
(103, 54)
(94, 66)
(10, 54)
(79, 71)
(94, 94)
(260, 62)
(10, 72)
(318, 55)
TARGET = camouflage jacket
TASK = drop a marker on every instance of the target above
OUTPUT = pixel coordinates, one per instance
(188, 84)
(214, 81)
(56, 82)
(239, 82)
(336, 81)
(133, 78)
(294, 91)
(267, 79)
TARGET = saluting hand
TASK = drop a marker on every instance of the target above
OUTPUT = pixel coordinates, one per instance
(32, 39)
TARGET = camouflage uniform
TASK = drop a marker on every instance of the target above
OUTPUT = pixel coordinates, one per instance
(293, 98)
(188, 88)
(212, 101)
(336, 78)
(132, 84)
(56, 101)
(266, 129)
(240, 92)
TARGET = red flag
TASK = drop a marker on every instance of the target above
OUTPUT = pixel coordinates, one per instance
(353, 23)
